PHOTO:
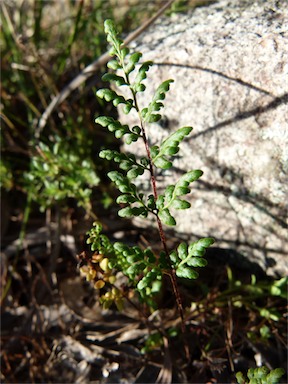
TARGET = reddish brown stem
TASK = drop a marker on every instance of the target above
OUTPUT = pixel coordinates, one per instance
(172, 272)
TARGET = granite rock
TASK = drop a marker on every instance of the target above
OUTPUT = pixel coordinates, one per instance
(229, 62)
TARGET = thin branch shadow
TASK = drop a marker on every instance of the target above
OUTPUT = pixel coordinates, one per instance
(263, 204)
(217, 73)
(275, 103)
(245, 115)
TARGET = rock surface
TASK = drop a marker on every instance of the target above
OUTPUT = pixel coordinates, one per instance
(229, 61)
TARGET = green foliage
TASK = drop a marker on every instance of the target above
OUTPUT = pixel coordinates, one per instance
(248, 295)
(137, 85)
(171, 199)
(40, 56)
(129, 196)
(278, 288)
(34, 69)
(109, 95)
(98, 241)
(56, 174)
(169, 147)
(118, 129)
(148, 114)
(261, 375)
(154, 341)
(134, 262)
(186, 258)
(126, 162)
(143, 269)
(6, 176)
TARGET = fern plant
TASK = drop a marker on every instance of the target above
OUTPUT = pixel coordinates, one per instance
(143, 268)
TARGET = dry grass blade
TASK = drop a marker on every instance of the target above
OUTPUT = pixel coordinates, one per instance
(129, 332)
(165, 374)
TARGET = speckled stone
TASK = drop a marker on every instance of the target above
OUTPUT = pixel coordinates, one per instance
(229, 61)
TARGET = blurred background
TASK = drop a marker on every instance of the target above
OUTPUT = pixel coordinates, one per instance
(53, 186)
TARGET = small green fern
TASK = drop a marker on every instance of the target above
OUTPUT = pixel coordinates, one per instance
(143, 269)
